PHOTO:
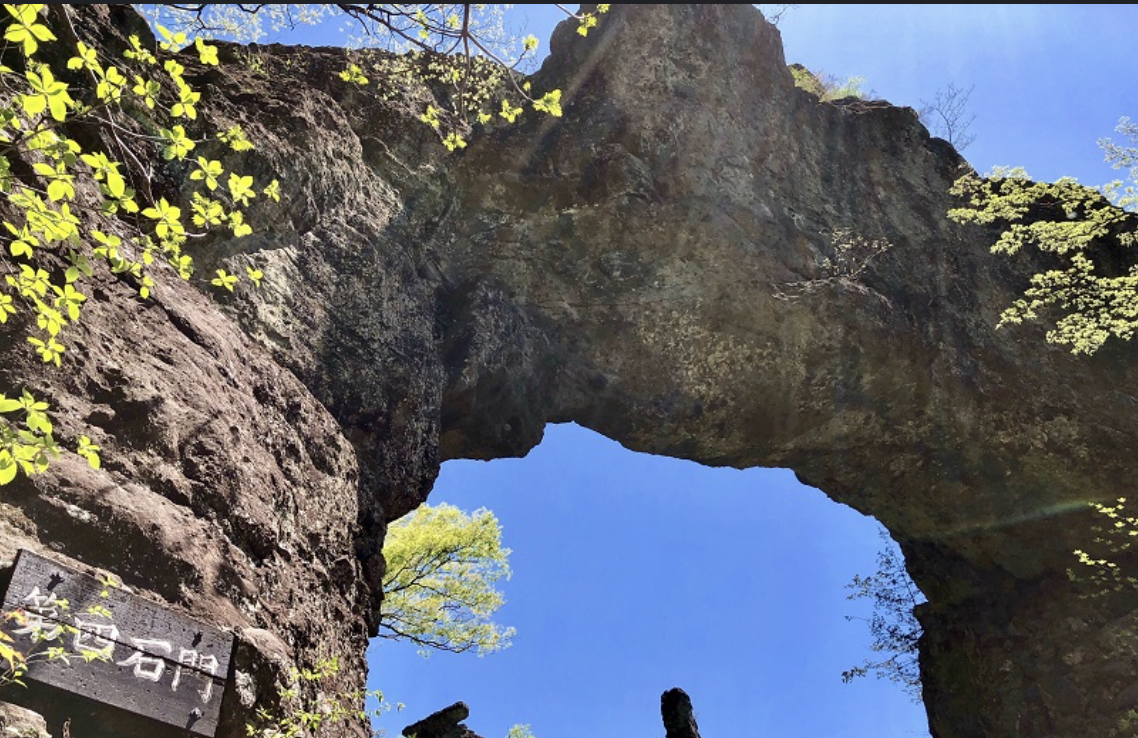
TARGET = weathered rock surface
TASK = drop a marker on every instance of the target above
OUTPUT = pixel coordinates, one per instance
(652, 266)
(446, 723)
(678, 715)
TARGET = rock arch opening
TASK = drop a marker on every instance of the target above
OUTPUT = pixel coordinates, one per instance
(636, 573)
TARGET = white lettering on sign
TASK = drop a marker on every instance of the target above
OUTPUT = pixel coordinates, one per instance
(40, 608)
(195, 660)
(97, 639)
(121, 650)
(146, 666)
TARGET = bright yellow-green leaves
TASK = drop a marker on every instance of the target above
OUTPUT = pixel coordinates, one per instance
(26, 29)
(178, 144)
(147, 89)
(79, 203)
(23, 242)
(1115, 536)
(207, 53)
(298, 715)
(47, 93)
(207, 212)
(483, 90)
(51, 350)
(170, 41)
(224, 279)
(1068, 220)
(439, 589)
(255, 275)
(108, 244)
(138, 52)
(17, 663)
(354, 74)
(86, 58)
(111, 85)
(550, 103)
(168, 219)
(235, 137)
(6, 307)
(187, 100)
(59, 182)
(208, 170)
(107, 172)
(509, 112)
(454, 141)
(25, 446)
(238, 225)
(241, 188)
(69, 300)
(587, 22)
(431, 117)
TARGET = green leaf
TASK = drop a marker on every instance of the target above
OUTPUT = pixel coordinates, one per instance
(549, 103)
(354, 75)
(21, 248)
(178, 144)
(238, 224)
(509, 112)
(168, 217)
(241, 188)
(26, 31)
(90, 452)
(235, 137)
(116, 185)
(170, 41)
(454, 141)
(208, 170)
(8, 468)
(206, 53)
(224, 279)
(49, 93)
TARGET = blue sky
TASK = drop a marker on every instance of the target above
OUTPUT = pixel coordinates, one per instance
(634, 573)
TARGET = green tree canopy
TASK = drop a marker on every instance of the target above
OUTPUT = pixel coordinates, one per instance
(439, 590)
(1091, 292)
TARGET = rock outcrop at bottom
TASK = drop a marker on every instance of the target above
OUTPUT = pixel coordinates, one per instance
(678, 714)
(445, 723)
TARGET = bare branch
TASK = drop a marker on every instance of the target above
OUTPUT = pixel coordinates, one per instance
(947, 115)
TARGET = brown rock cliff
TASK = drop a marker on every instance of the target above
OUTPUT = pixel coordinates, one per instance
(652, 266)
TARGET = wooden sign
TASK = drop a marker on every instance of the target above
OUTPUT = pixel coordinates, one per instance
(116, 648)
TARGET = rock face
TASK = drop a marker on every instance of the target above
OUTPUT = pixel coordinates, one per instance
(678, 714)
(446, 723)
(657, 265)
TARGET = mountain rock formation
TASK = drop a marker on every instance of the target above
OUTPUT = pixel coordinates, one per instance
(657, 265)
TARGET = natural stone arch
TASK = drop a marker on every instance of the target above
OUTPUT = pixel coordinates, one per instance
(645, 238)
(619, 267)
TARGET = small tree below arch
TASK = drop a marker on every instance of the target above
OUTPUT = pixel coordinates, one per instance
(439, 590)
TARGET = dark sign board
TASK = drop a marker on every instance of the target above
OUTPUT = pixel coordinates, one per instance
(115, 647)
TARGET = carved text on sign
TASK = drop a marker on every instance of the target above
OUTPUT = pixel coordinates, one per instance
(114, 647)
